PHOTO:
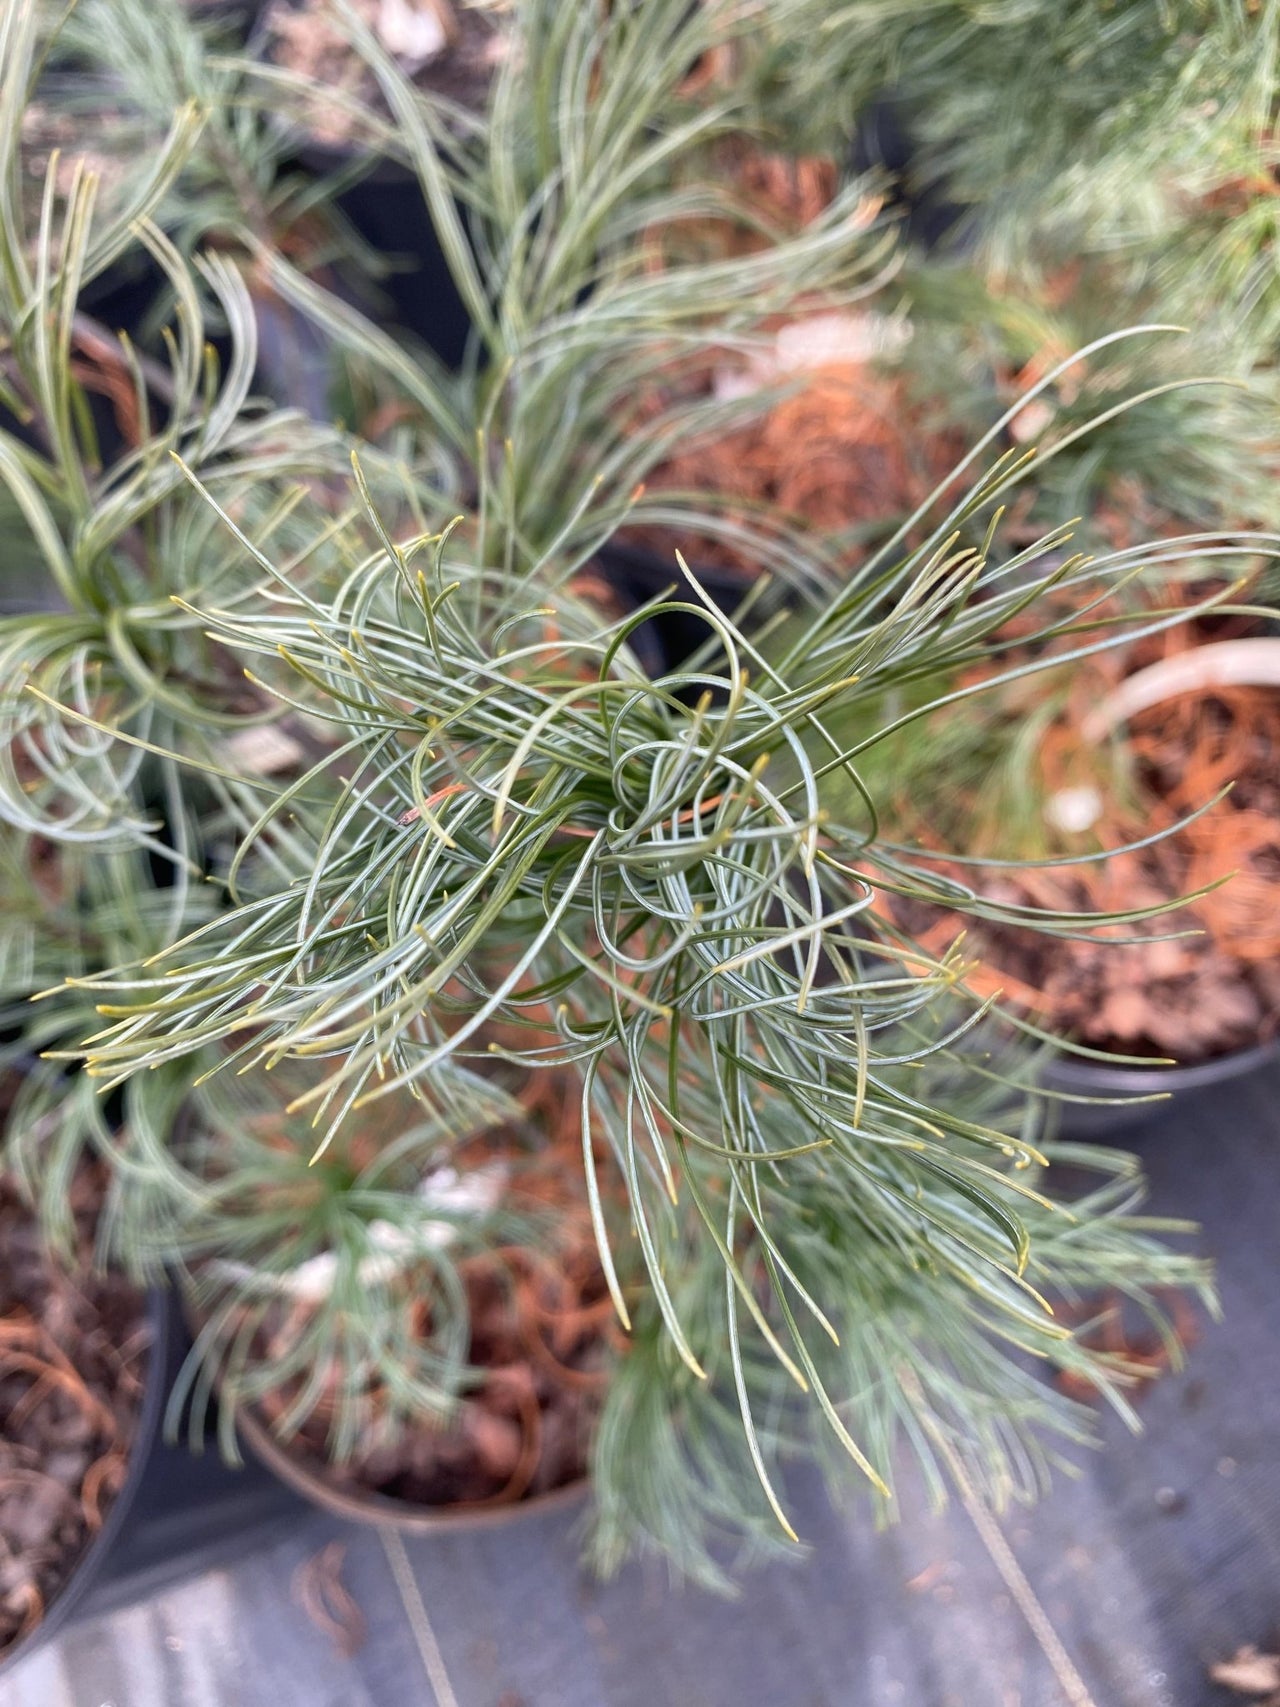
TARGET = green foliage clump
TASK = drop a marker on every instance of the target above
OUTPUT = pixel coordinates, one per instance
(495, 846)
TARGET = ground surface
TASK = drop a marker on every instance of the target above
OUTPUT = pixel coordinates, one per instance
(1162, 1558)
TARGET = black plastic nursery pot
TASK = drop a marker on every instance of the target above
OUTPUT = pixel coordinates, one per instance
(122, 302)
(883, 142)
(1074, 1076)
(388, 210)
(194, 1510)
(380, 1511)
(638, 575)
(176, 1514)
(95, 1564)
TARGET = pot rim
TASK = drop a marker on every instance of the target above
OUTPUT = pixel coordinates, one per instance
(381, 1511)
(1077, 1075)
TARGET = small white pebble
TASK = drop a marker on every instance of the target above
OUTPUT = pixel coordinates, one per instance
(414, 34)
(1074, 809)
(1032, 421)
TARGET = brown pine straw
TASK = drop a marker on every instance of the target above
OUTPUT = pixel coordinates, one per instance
(103, 1479)
(553, 1319)
(1103, 1328)
(29, 1348)
(33, 1614)
(1182, 752)
(47, 1367)
(26, 1347)
(320, 1591)
(539, 1312)
(848, 448)
(791, 190)
(782, 192)
(1198, 747)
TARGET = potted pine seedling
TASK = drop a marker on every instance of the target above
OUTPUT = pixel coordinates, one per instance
(165, 112)
(105, 843)
(411, 1327)
(1130, 747)
(593, 139)
(81, 1400)
(520, 854)
(1112, 118)
(1158, 753)
(311, 59)
(1160, 756)
(810, 1157)
(83, 1380)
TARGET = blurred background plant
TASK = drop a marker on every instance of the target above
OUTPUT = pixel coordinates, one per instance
(1060, 171)
(1053, 131)
(110, 846)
